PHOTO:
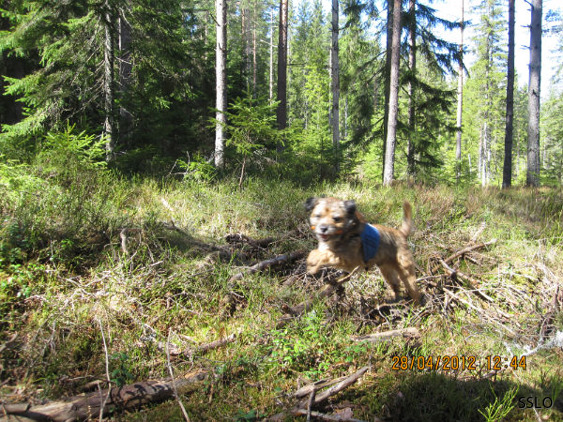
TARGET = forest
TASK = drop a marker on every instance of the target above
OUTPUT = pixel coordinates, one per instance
(155, 161)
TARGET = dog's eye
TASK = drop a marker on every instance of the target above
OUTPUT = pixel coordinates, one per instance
(337, 218)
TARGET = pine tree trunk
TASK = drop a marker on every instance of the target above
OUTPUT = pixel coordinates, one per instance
(254, 51)
(109, 82)
(271, 81)
(125, 68)
(246, 44)
(387, 76)
(391, 140)
(411, 90)
(507, 168)
(282, 70)
(335, 85)
(460, 96)
(533, 170)
(221, 81)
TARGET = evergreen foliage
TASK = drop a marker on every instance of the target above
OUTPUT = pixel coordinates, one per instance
(161, 86)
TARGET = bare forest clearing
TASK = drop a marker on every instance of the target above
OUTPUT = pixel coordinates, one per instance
(156, 159)
(196, 294)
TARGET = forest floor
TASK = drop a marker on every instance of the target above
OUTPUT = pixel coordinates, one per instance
(103, 277)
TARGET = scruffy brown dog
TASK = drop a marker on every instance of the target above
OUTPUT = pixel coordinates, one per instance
(347, 241)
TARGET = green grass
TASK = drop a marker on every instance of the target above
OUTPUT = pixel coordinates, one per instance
(64, 274)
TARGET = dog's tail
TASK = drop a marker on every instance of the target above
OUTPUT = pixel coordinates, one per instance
(407, 219)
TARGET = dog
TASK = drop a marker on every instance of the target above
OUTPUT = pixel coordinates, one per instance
(347, 241)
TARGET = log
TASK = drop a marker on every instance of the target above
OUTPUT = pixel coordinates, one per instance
(88, 406)
(410, 332)
(268, 263)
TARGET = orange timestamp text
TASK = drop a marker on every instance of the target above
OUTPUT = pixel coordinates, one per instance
(456, 363)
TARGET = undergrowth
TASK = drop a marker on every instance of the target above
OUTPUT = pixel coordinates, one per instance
(86, 253)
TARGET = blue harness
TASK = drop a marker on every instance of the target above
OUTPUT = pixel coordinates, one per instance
(370, 241)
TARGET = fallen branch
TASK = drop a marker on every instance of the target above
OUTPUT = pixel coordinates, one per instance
(268, 263)
(346, 382)
(461, 252)
(410, 332)
(324, 417)
(456, 273)
(479, 311)
(241, 238)
(203, 348)
(327, 290)
(304, 407)
(90, 406)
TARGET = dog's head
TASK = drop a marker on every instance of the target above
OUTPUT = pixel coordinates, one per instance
(331, 218)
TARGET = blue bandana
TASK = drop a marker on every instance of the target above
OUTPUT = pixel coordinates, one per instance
(370, 240)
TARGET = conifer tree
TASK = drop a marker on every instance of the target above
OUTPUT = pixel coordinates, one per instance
(533, 170)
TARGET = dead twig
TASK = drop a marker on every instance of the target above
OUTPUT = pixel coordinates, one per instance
(268, 263)
(108, 378)
(324, 417)
(409, 333)
(169, 365)
(461, 252)
(346, 382)
(326, 291)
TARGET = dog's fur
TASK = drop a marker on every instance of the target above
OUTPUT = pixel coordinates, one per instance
(337, 225)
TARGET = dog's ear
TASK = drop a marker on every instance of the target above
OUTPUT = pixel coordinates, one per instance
(350, 207)
(310, 204)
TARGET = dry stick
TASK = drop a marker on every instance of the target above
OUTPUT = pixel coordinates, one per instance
(326, 291)
(217, 343)
(176, 396)
(175, 351)
(479, 311)
(310, 405)
(329, 418)
(107, 373)
(464, 251)
(319, 398)
(410, 332)
(263, 265)
(242, 238)
(315, 386)
(452, 273)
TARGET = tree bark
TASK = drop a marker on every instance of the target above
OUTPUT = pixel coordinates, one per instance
(271, 76)
(88, 406)
(109, 80)
(508, 135)
(411, 90)
(391, 140)
(282, 70)
(387, 80)
(125, 68)
(221, 81)
(335, 85)
(254, 51)
(459, 118)
(533, 170)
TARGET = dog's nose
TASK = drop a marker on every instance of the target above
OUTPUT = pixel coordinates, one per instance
(323, 228)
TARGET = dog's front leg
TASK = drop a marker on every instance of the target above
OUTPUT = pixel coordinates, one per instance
(319, 259)
(315, 261)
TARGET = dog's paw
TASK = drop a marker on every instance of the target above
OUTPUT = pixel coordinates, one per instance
(314, 261)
